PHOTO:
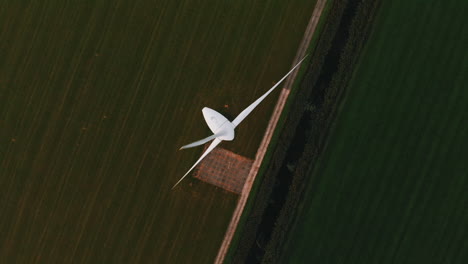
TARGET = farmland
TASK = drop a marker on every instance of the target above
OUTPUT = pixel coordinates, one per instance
(391, 184)
(96, 98)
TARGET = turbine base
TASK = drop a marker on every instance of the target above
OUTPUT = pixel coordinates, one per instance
(224, 169)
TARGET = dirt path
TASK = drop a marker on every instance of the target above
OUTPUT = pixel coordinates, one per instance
(268, 133)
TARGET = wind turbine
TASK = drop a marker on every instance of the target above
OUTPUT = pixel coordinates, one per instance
(222, 128)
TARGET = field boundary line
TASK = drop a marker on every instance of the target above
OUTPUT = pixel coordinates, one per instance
(309, 32)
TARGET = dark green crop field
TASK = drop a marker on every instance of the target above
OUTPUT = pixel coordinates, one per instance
(392, 184)
(96, 97)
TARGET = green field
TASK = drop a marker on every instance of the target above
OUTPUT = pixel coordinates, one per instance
(97, 97)
(391, 186)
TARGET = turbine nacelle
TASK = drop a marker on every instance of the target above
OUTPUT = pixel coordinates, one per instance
(218, 124)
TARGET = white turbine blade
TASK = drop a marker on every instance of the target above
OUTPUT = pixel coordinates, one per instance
(251, 107)
(199, 142)
(208, 150)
